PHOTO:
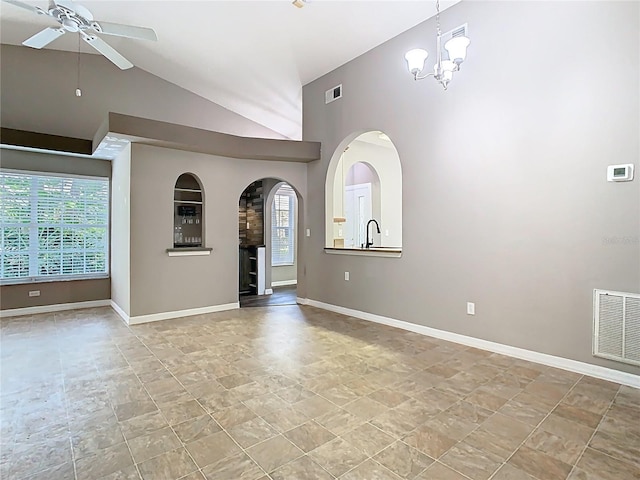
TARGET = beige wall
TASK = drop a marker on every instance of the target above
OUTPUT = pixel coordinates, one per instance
(38, 94)
(505, 198)
(163, 284)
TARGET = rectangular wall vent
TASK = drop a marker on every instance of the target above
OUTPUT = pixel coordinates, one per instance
(616, 326)
(333, 94)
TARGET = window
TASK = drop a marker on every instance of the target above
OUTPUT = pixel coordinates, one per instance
(53, 227)
(283, 226)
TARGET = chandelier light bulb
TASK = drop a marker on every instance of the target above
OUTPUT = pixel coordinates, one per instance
(415, 60)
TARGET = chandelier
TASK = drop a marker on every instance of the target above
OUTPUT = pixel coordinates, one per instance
(443, 70)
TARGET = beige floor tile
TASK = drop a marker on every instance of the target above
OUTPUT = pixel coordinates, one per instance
(438, 471)
(539, 465)
(251, 432)
(168, 466)
(337, 456)
(299, 469)
(368, 470)
(196, 428)
(403, 460)
(237, 467)
(509, 472)
(153, 444)
(309, 435)
(366, 408)
(273, 453)
(470, 461)
(429, 441)
(212, 449)
(369, 439)
(179, 412)
(232, 416)
(602, 465)
(108, 461)
(143, 425)
(557, 447)
(339, 421)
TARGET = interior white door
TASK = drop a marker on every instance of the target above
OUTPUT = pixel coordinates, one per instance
(358, 211)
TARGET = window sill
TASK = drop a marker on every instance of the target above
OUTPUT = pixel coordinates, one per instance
(70, 278)
(389, 252)
(189, 251)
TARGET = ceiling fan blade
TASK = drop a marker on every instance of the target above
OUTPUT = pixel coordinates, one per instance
(129, 31)
(44, 38)
(20, 4)
(108, 51)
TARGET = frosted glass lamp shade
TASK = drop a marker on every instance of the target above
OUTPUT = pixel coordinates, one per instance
(447, 69)
(415, 60)
(457, 48)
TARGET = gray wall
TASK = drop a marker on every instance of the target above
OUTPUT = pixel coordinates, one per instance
(505, 197)
(38, 94)
(163, 284)
(52, 293)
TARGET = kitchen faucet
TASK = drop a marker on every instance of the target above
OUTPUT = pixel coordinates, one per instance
(370, 243)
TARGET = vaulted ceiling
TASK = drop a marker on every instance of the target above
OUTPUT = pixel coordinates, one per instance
(252, 57)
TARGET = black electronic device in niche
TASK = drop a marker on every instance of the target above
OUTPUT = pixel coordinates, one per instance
(186, 211)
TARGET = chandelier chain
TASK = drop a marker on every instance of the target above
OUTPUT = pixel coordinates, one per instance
(438, 16)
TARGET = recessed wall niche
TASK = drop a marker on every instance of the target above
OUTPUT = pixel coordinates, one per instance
(188, 212)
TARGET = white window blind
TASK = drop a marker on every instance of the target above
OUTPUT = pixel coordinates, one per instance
(283, 226)
(52, 227)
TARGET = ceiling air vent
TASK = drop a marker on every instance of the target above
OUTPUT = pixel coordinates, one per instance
(333, 94)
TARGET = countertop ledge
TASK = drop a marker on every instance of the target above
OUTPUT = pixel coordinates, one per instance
(392, 252)
(189, 251)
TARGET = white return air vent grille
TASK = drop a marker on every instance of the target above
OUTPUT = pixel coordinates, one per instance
(333, 94)
(616, 326)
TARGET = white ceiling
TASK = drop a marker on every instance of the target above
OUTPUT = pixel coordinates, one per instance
(252, 57)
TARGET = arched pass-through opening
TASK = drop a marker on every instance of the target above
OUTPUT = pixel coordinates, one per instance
(268, 226)
(363, 185)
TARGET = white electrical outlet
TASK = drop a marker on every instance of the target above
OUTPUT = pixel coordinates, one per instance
(308, 232)
(471, 308)
(248, 225)
(346, 276)
(386, 232)
(340, 232)
(34, 293)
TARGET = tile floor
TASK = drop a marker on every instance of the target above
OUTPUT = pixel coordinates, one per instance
(294, 393)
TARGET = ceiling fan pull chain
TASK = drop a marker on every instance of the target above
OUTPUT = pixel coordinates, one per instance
(78, 91)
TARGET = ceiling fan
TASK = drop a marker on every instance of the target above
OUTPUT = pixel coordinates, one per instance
(75, 18)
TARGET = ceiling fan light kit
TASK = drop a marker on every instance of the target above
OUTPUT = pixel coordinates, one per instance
(443, 70)
(75, 18)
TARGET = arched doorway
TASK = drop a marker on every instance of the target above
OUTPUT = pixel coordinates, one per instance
(268, 223)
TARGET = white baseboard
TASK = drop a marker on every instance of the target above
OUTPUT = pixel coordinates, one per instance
(536, 357)
(120, 312)
(268, 291)
(156, 317)
(282, 283)
(59, 307)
